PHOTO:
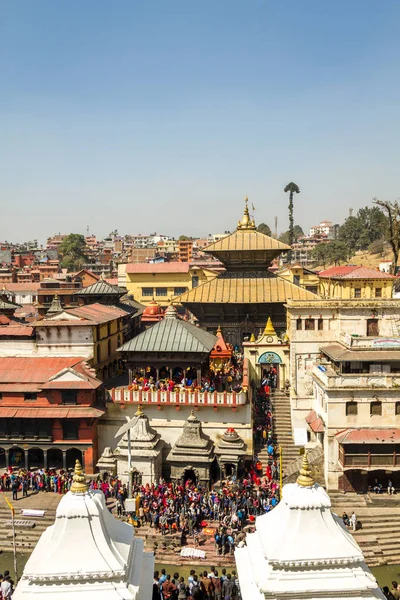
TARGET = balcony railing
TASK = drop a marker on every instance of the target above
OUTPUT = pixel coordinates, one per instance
(376, 343)
(357, 380)
(124, 395)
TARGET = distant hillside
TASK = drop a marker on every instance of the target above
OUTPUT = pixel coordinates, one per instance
(362, 257)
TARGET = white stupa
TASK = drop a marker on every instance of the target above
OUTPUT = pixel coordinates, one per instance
(302, 550)
(87, 554)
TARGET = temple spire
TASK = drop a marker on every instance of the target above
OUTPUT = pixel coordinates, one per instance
(246, 222)
(305, 479)
(269, 328)
(79, 484)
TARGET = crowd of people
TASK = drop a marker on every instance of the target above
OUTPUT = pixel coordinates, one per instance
(22, 481)
(205, 585)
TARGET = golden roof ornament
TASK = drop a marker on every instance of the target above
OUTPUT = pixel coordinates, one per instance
(139, 412)
(269, 328)
(252, 338)
(79, 485)
(246, 222)
(305, 479)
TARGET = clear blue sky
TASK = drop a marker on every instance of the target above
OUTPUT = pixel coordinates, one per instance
(160, 115)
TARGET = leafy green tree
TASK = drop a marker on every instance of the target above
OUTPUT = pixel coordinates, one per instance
(72, 251)
(297, 233)
(359, 232)
(349, 233)
(292, 188)
(183, 238)
(377, 247)
(264, 228)
(320, 254)
(334, 252)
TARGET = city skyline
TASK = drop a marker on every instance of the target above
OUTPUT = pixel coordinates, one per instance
(167, 115)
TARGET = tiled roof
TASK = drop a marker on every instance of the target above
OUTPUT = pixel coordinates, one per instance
(171, 335)
(22, 287)
(101, 288)
(249, 239)
(33, 369)
(355, 272)
(60, 412)
(339, 353)
(369, 436)
(4, 320)
(258, 287)
(16, 331)
(171, 267)
(98, 312)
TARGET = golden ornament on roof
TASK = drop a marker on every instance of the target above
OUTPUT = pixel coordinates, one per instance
(269, 328)
(79, 484)
(305, 479)
(246, 222)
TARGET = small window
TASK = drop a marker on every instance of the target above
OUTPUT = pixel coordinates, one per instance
(372, 328)
(44, 428)
(299, 324)
(378, 292)
(29, 397)
(296, 279)
(70, 430)
(357, 292)
(309, 324)
(320, 324)
(1, 396)
(161, 292)
(397, 408)
(179, 290)
(376, 408)
(195, 281)
(69, 396)
(147, 292)
(351, 408)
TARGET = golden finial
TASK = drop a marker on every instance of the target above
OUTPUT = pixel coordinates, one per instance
(269, 328)
(79, 485)
(252, 338)
(246, 222)
(219, 332)
(305, 479)
(139, 411)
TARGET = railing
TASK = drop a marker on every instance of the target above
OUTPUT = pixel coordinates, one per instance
(180, 398)
(350, 380)
(368, 342)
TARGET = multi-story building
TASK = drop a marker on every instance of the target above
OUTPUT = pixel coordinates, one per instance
(185, 250)
(48, 414)
(325, 227)
(297, 274)
(356, 282)
(344, 375)
(163, 281)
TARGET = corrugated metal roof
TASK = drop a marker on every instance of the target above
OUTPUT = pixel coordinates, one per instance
(355, 272)
(101, 288)
(171, 335)
(171, 267)
(339, 353)
(248, 239)
(369, 436)
(245, 288)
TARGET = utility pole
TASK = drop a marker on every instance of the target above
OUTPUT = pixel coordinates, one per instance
(13, 539)
(276, 227)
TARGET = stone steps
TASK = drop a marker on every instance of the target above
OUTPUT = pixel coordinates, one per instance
(25, 538)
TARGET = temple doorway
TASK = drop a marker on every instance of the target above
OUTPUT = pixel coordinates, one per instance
(189, 475)
(54, 458)
(229, 469)
(17, 457)
(35, 458)
(73, 454)
(2, 458)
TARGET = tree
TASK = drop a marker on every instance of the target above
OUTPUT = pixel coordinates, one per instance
(292, 188)
(297, 232)
(359, 232)
(349, 233)
(392, 209)
(183, 238)
(334, 252)
(72, 251)
(377, 247)
(320, 254)
(264, 228)
(285, 236)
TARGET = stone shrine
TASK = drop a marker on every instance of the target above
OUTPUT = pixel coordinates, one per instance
(230, 452)
(87, 554)
(303, 550)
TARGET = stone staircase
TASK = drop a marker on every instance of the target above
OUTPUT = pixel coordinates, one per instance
(167, 548)
(379, 536)
(316, 460)
(26, 538)
(283, 428)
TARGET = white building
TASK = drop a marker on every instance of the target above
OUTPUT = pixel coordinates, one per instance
(325, 227)
(302, 550)
(87, 554)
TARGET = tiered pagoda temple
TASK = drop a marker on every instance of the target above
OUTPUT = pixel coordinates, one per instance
(243, 297)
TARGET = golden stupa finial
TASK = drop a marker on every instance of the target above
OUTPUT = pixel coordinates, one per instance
(269, 328)
(79, 484)
(219, 332)
(246, 222)
(305, 479)
(252, 338)
(139, 411)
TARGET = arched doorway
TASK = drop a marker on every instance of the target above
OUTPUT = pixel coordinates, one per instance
(189, 475)
(2, 458)
(270, 363)
(73, 454)
(54, 458)
(17, 457)
(35, 458)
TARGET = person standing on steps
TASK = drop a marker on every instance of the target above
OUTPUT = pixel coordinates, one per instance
(353, 521)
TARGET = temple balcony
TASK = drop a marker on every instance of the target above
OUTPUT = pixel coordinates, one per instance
(329, 378)
(376, 343)
(125, 395)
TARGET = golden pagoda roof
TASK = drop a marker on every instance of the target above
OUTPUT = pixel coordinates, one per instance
(244, 288)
